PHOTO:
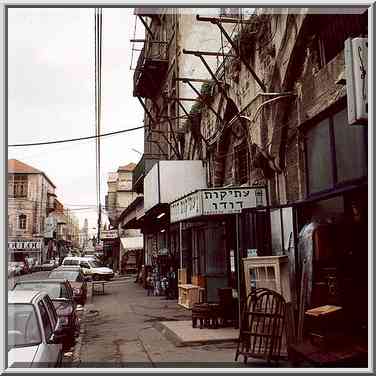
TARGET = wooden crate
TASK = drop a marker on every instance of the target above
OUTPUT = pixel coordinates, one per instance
(188, 295)
(182, 276)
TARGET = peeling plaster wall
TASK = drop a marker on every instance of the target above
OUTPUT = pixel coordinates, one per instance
(284, 62)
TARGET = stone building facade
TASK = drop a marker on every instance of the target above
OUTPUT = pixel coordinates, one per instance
(31, 196)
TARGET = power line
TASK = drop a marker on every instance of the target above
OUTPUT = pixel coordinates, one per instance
(79, 138)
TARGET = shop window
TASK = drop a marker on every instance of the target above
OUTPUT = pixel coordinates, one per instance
(22, 222)
(335, 153)
(17, 185)
(318, 148)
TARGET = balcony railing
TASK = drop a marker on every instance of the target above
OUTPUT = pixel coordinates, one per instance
(151, 68)
(142, 168)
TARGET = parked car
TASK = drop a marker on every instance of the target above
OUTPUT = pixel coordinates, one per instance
(90, 268)
(48, 266)
(61, 293)
(76, 278)
(34, 333)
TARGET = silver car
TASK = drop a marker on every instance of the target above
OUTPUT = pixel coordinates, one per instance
(34, 334)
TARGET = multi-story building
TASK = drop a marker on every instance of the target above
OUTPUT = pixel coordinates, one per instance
(120, 196)
(84, 235)
(31, 197)
(275, 130)
(179, 55)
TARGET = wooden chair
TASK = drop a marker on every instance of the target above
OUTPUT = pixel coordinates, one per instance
(262, 326)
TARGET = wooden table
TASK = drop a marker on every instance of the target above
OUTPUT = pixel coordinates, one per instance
(96, 292)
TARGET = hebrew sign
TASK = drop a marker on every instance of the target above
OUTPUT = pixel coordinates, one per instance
(217, 202)
(186, 207)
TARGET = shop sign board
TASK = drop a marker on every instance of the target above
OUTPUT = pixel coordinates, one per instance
(232, 201)
(217, 202)
(109, 234)
(187, 207)
(25, 245)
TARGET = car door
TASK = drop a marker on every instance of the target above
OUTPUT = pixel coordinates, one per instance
(85, 267)
(48, 353)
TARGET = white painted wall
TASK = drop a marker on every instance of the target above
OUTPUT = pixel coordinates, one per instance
(176, 179)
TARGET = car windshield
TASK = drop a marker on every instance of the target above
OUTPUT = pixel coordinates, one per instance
(93, 264)
(23, 326)
(70, 275)
(54, 290)
(71, 262)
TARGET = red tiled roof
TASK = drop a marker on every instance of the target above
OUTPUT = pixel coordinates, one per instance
(129, 167)
(15, 166)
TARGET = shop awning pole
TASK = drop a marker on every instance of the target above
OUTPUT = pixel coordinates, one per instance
(181, 244)
(239, 263)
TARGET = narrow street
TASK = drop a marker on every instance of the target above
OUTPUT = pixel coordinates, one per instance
(119, 329)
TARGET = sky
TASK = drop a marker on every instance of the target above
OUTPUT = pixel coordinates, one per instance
(51, 97)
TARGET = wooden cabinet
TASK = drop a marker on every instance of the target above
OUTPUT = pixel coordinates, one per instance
(271, 272)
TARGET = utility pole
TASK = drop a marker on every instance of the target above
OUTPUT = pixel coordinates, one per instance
(99, 223)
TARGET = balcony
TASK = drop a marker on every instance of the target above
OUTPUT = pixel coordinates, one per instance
(153, 13)
(151, 69)
(140, 171)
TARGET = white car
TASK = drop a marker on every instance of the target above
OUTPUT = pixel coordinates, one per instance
(90, 268)
(34, 334)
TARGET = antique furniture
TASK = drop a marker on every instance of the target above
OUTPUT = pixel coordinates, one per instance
(262, 326)
(207, 313)
(271, 272)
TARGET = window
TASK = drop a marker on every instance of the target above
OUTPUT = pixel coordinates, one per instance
(17, 185)
(333, 31)
(45, 320)
(51, 308)
(241, 153)
(71, 262)
(335, 153)
(22, 222)
(23, 326)
(320, 174)
(349, 140)
(85, 265)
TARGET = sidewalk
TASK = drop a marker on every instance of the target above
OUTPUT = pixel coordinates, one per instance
(120, 329)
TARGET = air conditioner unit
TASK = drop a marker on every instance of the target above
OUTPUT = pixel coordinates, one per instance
(356, 61)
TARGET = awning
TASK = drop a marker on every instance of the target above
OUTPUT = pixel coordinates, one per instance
(132, 243)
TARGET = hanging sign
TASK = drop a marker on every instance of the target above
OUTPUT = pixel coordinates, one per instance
(25, 245)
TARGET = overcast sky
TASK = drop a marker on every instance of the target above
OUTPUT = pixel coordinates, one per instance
(51, 96)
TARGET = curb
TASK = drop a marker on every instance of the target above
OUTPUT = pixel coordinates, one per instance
(178, 342)
(76, 359)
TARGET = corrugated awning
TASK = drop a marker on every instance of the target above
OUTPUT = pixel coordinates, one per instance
(132, 243)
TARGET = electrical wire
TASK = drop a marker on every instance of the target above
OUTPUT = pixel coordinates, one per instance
(78, 138)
